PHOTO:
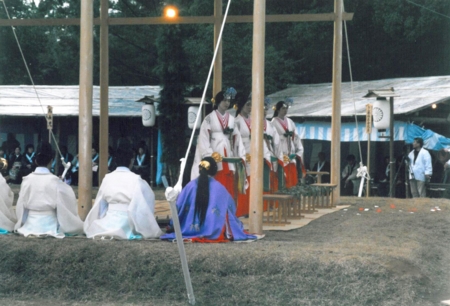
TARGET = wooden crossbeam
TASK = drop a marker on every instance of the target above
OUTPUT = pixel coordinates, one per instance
(179, 20)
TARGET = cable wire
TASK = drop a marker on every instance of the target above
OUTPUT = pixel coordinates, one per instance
(29, 75)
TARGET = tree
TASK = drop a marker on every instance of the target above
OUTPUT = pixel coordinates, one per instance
(174, 75)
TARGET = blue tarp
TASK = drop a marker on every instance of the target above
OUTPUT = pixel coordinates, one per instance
(349, 132)
(322, 131)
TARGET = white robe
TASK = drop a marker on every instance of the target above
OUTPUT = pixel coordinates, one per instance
(245, 132)
(288, 145)
(7, 215)
(123, 208)
(47, 206)
(212, 139)
(272, 148)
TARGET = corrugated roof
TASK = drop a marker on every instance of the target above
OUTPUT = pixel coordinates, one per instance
(314, 100)
(22, 100)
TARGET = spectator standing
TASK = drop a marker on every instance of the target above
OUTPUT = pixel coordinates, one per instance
(420, 168)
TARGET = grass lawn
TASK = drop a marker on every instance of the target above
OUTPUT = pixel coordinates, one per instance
(398, 255)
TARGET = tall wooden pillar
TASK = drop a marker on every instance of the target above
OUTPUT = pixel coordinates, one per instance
(104, 83)
(217, 76)
(256, 145)
(85, 111)
(336, 103)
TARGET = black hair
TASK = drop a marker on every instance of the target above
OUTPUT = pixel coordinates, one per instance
(351, 157)
(220, 96)
(29, 146)
(123, 157)
(44, 155)
(419, 141)
(241, 100)
(202, 196)
(278, 106)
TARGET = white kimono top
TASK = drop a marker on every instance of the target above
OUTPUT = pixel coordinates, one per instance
(7, 215)
(123, 209)
(289, 144)
(213, 139)
(244, 127)
(422, 166)
(272, 147)
(47, 206)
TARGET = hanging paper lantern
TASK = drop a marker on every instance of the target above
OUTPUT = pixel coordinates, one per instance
(148, 115)
(381, 114)
(192, 116)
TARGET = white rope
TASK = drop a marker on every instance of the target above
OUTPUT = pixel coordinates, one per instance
(66, 165)
(172, 193)
(183, 160)
(362, 170)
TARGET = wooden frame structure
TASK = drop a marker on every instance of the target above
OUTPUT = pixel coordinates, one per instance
(86, 23)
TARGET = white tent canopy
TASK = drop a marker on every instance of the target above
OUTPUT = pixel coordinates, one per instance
(22, 100)
(414, 94)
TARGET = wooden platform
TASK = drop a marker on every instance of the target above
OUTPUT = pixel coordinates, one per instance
(162, 211)
(297, 223)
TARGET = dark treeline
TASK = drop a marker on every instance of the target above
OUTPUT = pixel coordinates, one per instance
(387, 39)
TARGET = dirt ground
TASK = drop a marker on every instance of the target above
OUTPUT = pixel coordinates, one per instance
(377, 252)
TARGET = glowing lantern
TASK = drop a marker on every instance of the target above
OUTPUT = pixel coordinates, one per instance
(192, 116)
(148, 115)
(170, 12)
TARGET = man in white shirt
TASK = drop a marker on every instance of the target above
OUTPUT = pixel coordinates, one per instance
(420, 169)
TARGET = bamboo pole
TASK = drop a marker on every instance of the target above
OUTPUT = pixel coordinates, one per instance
(217, 77)
(336, 103)
(256, 144)
(85, 115)
(104, 83)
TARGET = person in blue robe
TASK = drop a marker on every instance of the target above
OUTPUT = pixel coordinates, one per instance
(206, 210)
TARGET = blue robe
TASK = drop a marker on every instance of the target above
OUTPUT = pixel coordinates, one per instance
(221, 213)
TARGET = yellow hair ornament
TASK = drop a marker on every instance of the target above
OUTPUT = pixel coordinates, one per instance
(205, 165)
(235, 106)
(213, 101)
(274, 107)
(217, 157)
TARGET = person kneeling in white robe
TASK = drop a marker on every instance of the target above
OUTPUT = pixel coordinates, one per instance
(46, 206)
(7, 215)
(124, 205)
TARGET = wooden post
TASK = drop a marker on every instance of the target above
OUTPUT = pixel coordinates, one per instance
(57, 156)
(85, 116)
(336, 103)
(369, 108)
(256, 144)
(217, 76)
(391, 149)
(152, 159)
(104, 83)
